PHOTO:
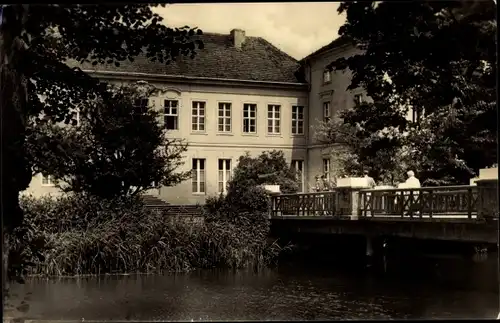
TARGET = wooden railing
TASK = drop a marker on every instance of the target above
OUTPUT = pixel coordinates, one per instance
(332, 203)
(428, 202)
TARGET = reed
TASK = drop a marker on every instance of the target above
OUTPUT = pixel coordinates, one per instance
(83, 235)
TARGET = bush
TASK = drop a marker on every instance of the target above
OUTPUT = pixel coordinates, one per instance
(246, 204)
(77, 211)
(270, 167)
(246, 207)
(82, 234)
(85, 235)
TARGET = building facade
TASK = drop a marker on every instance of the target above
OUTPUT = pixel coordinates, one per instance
(239, 94)
(328, 96)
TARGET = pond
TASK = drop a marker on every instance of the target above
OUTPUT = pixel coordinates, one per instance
(424, 288)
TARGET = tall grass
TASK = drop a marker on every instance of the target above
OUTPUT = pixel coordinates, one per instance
(83, 235)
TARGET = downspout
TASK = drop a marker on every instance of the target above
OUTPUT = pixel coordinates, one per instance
(309, 81)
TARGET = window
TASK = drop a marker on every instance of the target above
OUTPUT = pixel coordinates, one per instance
(326, 168)
(224, 174)
(273, 119)
(198, 175)
(140, 106)
(171, 114)
(47, 180)
(250, 118)
(358, 99)
(224, 120)
(297, 120)
(416, 115)
(76, 117)
(198, 116)
(326, 111)
(298, 166)
(327, 76)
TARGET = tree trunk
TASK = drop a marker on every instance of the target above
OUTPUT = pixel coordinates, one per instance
(5, 263)
(15, 173)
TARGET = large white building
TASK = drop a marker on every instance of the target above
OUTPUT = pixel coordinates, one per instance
(238, 94)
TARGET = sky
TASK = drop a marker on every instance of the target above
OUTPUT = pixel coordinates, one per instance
(296, 28)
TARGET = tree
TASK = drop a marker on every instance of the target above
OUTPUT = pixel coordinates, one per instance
(438, 58)
(246, 202)
(35, 43)
(116, 150)
(269, 168)
(360, 145)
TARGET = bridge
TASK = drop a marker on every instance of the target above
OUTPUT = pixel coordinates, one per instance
(452, 213)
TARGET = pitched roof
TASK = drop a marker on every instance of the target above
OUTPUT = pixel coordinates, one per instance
(342, 40)
(257, 60)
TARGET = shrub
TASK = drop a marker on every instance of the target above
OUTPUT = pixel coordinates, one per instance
(246, 204)
(270, 167)
(77, 211)
(85, 235)
(246, 207)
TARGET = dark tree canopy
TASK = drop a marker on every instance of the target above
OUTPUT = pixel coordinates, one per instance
(118, 149)
(35, 43)
(438, 58)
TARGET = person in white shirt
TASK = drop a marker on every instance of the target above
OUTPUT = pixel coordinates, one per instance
(369, 180)
(412, 181)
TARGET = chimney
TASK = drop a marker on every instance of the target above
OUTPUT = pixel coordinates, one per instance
(238, 37)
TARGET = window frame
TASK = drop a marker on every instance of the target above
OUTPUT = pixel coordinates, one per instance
(226, 173)
(201, 114)
(327, 107)
(358, 98)
(201, 176)
(138, 104)
(170, 114)
(224, 107)
(76, 113)
(275, 119)
(49, 182)
(249, 118)
(327, 80)
(300, 172)
(296, 109)
(326, 168)
(417, 115)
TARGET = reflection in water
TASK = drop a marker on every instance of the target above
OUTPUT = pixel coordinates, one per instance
(427, 288)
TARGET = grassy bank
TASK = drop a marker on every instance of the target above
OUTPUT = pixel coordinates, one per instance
(78, 235)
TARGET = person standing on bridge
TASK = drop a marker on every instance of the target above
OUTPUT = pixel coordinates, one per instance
(326, 184)
(370, 181)
(412, 181)
(319, 188)
(319, 184)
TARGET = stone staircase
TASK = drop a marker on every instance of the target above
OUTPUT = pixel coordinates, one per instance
(172, 209)
(153, 201)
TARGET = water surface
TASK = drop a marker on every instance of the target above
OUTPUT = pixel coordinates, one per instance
(423, 289)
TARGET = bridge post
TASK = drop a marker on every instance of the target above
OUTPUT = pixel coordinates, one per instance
(355, 202)
(272, 203)
(487, 202)
(354, 185)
